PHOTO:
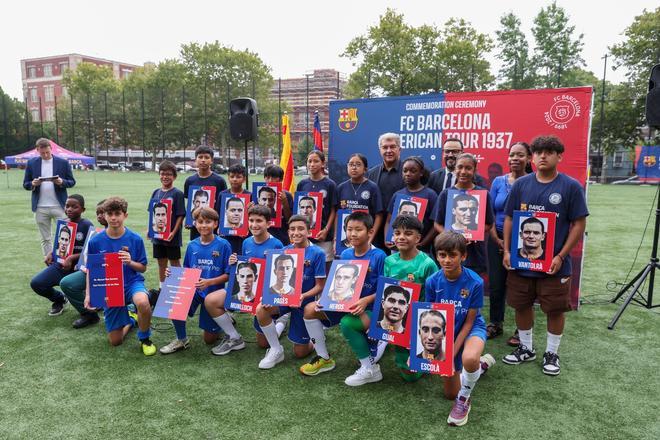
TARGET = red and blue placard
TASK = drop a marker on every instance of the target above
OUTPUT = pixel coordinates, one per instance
(270, 198)
(198, 197)
(311, 208)
(245, 285)
(390, 320)
(65, 240)
(106, 280)
(419, 208)
(344, 285)
(177, 293)
(466, 213)
(432, 338)
(284, 276)
(533, 241)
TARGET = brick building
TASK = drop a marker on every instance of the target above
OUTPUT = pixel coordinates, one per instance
(42, 80)
(307, 94)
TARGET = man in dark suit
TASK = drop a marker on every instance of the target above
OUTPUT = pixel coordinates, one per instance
(387, 175)
(47, 177)
(446, 177)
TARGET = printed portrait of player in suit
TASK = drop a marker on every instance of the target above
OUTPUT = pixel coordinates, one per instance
(284, 269)
(234, 209)
(63, 240)
(201, 199)
(246, 281)
(431, 335)
(307, 207)
(406, 207)
(532, 236)
(343, 286)
(394, 308)
(464, 212)
(266, 196)
(159, 217)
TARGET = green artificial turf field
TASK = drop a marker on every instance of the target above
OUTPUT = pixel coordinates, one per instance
(57, 382)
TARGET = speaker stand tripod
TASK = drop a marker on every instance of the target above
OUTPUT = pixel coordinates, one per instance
(647, 272)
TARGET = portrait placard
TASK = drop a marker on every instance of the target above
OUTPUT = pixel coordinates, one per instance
(245, 286)
(268, 194)
(82, 261)
(160, 218)
(283, 278)
(344, 285)
(408, 205)
(341, 240)
(391, 316)
(310, 204)
(233, 214)
(533, 240)
(432, 338)
(177, 293)
(65, 240)
(199, 197)
(466, 213)
(106, 280)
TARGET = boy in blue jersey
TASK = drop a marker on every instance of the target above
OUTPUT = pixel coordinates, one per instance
(354, 325)
(168, 248)
(205, 177)
(44, 282)
(551, 191)
(130, 247)
(255, 247)
(275, 174)
(210, 254)
(312, 285)
(237, 174)
(464, 288)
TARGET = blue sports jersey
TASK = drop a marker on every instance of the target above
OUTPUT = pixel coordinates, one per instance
(258, 250)
(314, 268)
(325, 186)
(466, 293)
(178, 210)
(365, 196)
(101, 243)
(282, 233)
(376, 259)
(563, 195)
(476, 250)
(211, 258)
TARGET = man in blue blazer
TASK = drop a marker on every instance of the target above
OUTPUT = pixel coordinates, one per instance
(47, 177)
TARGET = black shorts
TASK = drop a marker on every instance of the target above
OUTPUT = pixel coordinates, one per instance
(169, 252)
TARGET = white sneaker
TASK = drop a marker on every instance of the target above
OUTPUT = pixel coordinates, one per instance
(175, 345)
(272, 358)
(364, 375)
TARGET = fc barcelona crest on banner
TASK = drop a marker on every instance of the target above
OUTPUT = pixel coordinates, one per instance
(649, 161)
(348, 119)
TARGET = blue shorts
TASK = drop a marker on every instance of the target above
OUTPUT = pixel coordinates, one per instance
(478, 330)
(117, 317)
(206, 323)
(297, 330)
(333, 319)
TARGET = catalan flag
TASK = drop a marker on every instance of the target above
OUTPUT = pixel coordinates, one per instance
(318, 138)
(286, 161)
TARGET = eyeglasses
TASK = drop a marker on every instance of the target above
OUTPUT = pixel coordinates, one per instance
(355, 164)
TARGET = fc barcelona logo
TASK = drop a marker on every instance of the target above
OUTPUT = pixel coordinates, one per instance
(464, 293)
(649, 161)
(411, 277)
(348, 119)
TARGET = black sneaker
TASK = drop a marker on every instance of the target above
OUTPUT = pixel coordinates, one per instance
(551, 363)
(519, 355)
(85, 320)
(58, 307)
(153, 297)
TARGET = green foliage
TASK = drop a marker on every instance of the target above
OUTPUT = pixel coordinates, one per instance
(557, 50)
(12, 125)
(394, 58)
(518, 70)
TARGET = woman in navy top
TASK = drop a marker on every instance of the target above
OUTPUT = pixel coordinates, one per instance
(520, 158)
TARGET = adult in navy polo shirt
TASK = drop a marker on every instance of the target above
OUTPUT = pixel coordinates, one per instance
(48, 195)
(387, 175)
(550, 191)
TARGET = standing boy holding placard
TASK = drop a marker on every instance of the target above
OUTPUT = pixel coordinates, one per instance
(130, 247)
(550, 191)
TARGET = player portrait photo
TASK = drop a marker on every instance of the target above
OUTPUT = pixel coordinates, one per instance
(267, 194)
(65, 239)
(466, 213)
(233, 214)
(199, 197)
(310, 205)
(234, 210)
(245, 284)
(160, 217)
(405, 205)
(532, 240)
(432, 338)
(344, 284)
(394, 308)
(283, 277)
(284, 270)
(247, 276)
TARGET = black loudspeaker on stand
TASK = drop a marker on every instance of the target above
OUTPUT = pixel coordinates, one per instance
(648, 273)
(244, 123)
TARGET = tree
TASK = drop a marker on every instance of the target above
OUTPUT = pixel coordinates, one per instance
(557, 50)
(517, 70)
(12, 125)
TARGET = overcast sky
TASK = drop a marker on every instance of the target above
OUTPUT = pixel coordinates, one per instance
(292, 37)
